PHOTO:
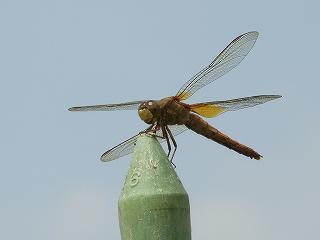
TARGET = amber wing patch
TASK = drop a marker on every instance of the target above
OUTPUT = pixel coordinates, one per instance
(207, 110)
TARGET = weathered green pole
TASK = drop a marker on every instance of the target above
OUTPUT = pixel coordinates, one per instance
(153, 204)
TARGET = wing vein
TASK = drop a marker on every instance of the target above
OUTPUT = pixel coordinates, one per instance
(228, 59)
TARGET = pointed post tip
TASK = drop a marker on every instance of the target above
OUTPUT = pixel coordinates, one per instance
(153, 203)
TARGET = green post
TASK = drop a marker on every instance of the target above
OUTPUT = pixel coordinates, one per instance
(153, 204)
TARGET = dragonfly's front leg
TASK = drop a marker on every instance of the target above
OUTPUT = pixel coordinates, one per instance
(152, 130)
(148, 130)
(154, 127)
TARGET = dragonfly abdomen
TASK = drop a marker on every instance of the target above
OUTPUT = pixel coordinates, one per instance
(203, 128)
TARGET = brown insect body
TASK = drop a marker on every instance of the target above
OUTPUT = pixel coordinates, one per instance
(170, 111)
(203, 128)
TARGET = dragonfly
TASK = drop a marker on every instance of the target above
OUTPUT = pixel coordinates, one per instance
(170, 116)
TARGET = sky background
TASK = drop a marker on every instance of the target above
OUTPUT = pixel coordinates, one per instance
(58, 54)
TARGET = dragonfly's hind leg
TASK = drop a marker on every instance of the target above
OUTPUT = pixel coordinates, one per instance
(165, 131)
(174, 144)
(165, 135)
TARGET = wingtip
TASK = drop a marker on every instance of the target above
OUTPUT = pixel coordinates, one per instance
(73, 109)
(104, 158)
(273, 97)
(256, 33)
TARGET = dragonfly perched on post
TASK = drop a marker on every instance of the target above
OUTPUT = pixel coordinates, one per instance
(170, 116)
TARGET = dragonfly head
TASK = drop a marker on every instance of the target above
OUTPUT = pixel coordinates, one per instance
(148, 111)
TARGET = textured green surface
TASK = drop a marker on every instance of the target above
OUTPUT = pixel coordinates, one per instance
(153, 203)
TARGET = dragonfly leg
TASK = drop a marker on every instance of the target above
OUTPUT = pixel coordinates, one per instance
(152, 130)
(165, 135)
(174, 144)
(147, 130)
(154, 127)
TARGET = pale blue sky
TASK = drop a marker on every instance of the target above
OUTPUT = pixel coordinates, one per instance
(58, 54)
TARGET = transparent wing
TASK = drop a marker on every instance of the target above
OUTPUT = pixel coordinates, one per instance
(120, 150)
(127, 146)
(110, 107)
(176, 130)
(213, 109)
(229, 58)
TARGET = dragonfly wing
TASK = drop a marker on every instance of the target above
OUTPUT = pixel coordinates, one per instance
(110, 107)
(127, 146)
(213, 109)
(229, 58)
(120, 150)
(175, 130)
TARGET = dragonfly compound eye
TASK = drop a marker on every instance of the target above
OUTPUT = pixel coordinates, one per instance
(145, 115)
